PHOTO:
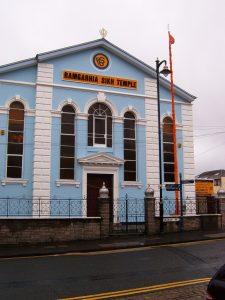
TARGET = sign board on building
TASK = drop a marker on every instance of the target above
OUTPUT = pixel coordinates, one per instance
(171, 219)
(99, 79)
(173, 187)
(204, 187)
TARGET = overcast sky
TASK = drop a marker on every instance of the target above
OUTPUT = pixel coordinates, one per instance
(29, 27)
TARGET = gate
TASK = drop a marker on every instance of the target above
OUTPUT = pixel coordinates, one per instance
(128, 216)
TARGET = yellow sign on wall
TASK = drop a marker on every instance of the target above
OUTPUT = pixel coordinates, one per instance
(99, 80)
(204, 187)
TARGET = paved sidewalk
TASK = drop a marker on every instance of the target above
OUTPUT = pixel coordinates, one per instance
(192, 292)
(122, 242)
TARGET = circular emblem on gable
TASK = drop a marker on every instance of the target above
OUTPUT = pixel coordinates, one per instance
(101, 61)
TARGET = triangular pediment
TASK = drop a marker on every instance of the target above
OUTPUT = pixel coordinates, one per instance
(105, 44)
(102, 159)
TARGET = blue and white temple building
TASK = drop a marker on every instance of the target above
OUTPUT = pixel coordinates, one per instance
(76, 117)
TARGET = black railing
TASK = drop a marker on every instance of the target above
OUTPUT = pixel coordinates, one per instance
(128, 215)
(42, 207)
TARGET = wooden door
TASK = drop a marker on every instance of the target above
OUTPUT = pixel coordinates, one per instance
(94, 183)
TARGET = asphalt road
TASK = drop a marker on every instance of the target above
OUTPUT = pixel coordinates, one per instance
(59, 277)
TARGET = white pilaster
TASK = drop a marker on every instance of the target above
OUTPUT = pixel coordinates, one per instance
(188, 155)
(152, 146)
(42, 138)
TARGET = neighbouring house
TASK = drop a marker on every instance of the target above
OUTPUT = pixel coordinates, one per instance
(73, 118)
(216, 177)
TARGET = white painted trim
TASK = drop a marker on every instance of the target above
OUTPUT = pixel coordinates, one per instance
(60, 182)
(176, 101)
(19, 99)
(131, 109)
(101, 170)
(106, 102)
(7, 181)
(26, 83)
(70, 102)
(137, 184)
(89, 89)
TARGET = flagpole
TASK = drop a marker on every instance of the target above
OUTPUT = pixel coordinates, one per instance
(171, 41)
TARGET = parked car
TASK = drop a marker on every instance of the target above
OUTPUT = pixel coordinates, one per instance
(216, 286)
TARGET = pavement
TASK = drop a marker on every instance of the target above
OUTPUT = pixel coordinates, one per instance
(111, 243)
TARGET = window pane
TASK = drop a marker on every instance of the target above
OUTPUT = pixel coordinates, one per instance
(15, 125)
(67, 151)
(67, 128)
(168, 167)
(14, 172)
(15, 148)
(68, 109)
(109, 132)
(130, 166)
(129, 144)
(129, 176)
(168, 147)
(168, 157)
(130, 155)
(168, 137)
(66, 173)
(90, 130)
(14, 161)
(169, 177)
(15, 137)
(66, 163)
(67, 118)
(99, 131)
(67, 140)
(16, 114)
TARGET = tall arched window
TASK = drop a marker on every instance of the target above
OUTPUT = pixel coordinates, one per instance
(129, 147)
(15, 140)
(168, 150)
(67, 148)
(99, 125)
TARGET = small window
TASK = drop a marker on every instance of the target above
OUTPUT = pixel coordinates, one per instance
(99, 125)
(15, 140)
(168, 150)
(129, 147)
(67, 145)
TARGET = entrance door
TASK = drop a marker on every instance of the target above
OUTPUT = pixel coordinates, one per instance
(94, 183)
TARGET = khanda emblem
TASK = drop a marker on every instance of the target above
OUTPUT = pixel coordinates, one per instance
(101, 61)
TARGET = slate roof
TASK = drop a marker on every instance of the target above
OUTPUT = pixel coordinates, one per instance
(42, 57)
(214, 174)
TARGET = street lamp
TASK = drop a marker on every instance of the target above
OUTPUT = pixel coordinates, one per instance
(165, 71)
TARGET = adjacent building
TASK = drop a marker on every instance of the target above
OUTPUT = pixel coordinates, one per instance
(216, 177)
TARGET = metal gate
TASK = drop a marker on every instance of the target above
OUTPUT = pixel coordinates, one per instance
(128, 216)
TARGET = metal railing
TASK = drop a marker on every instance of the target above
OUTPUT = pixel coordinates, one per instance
(42, 207)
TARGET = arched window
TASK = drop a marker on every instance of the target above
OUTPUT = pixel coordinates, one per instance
(129, 147)
(15, 140)
(168, 150)
(67, 147)
(99, 125)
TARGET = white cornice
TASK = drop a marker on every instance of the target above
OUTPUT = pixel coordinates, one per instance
(18, 82)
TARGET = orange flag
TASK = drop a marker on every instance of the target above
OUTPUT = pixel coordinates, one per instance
(172, 39)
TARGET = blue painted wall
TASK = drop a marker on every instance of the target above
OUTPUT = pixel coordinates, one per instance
(81, 62)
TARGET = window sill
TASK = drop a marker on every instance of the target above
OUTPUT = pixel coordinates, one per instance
(99, 149)
(137, 184)
(67, 182)
(7, 181)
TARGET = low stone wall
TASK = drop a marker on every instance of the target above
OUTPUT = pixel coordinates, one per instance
(31, 231)
(198, 222)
